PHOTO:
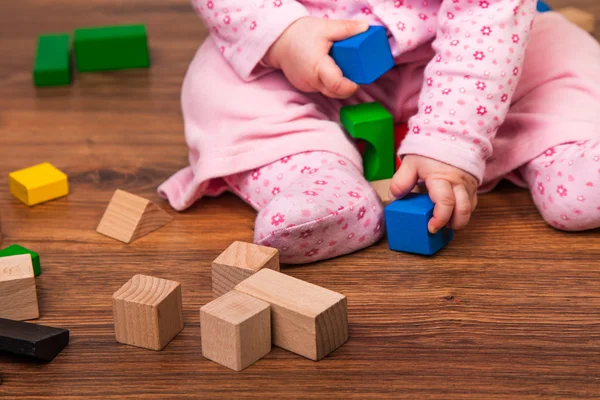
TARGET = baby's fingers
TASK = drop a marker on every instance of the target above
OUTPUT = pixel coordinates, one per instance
(441, 193)
(462, 209)
(332, 80)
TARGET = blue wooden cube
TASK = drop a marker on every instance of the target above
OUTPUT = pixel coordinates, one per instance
(542, 6)
(365, 57)
(406, 224)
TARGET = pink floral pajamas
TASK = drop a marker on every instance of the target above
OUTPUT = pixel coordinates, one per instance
(311, 206)
(482, 86)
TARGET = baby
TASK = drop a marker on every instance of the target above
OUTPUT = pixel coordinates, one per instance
(490, 89)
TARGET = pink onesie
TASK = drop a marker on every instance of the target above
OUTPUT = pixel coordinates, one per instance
(488, 86)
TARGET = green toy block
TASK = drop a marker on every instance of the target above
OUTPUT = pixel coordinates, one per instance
(112, 47)
(372, 123)
(52, 61)
(15, 250)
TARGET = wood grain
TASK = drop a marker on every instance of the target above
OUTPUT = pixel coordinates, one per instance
(147, 312)
(18, 297)
(239, 261)
(306, 319)
(510, 310)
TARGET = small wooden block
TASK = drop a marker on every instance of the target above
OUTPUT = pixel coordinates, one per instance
(306, 319)
(18, 297)
(239, 261)
(1, 234)
(129, 217)
(583, 19)
(32, 340)
(236, 330)
(15, 249)
(382, 188)
(148, 312)
(38, 184)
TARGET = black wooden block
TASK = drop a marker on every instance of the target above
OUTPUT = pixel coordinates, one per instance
(32, 340)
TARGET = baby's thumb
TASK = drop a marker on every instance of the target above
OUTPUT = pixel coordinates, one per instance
(340, 29)
(404, 180)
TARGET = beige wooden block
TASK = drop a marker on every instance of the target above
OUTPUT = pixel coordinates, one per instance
(382, 188)
(583, 19)
(306, 319)
(239, 261)
(129, 217)
(18, 297)
(148, 312)
(236, 330)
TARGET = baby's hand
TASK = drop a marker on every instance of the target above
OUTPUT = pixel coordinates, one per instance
(453, 190)
(302, 53)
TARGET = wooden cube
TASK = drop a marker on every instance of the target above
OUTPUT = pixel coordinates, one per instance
(236, 330)
(38, 184)
(239, 261)
(18, 297)
(148, 312)
(129, 217)
(306, 319)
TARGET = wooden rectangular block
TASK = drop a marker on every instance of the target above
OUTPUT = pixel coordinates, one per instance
(236, 330)
(148, 312)
(239, 261)
(129, 217)
(583, 19)
(111, 47)
(32, 340)
(18, 297)
(53, 61)
(38, 184)
(306, 319)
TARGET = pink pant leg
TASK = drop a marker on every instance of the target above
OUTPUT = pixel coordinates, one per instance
(565, 185)
(312, 206)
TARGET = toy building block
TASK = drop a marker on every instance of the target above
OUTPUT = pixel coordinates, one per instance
(18, 297)
(15, 249)
(32, 340)
(129, 217)
(372, 123)
(238, 262)
(406, 224)
(52, 61)
(365, 57)
(583, 19)
(236, 330)
(112, 47)
(542, 6)
(400, 131)
(305, 319)
(148, 312)
(38, 184)
(382, 188)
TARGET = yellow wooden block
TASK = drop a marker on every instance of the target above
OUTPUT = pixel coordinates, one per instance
(37, 184)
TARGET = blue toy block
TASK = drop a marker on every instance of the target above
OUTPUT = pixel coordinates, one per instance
(406, 224)
(365, 57)
(542, 6)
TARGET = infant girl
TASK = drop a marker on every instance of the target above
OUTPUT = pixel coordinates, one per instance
(490, 89)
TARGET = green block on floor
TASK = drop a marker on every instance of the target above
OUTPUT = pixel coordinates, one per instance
(372, 123)
(110, 48)
(52, 61)
(15, 250)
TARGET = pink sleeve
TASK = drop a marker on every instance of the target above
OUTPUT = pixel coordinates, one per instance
(245, 30)
(480, 46)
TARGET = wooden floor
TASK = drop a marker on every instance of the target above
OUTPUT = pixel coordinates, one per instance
(510, 310)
